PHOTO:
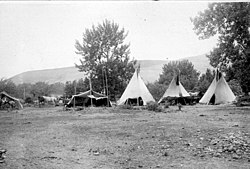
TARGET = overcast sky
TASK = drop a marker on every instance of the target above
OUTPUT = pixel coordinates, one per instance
(41, 35)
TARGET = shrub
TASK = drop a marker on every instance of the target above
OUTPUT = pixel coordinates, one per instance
(153, 106)
(28, 100)
(126, 106)
(166, 105)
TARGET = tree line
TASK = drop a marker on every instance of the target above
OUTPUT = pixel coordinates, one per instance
(189, 77)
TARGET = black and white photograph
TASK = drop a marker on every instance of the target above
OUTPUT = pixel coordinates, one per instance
(124, 84)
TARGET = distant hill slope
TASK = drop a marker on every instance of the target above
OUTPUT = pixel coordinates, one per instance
(150, 71)
(49, 75)
(200, 62)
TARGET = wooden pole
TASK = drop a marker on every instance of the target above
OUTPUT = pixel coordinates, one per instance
(107, 89)
(74, 96)
(24, 95)
(90, 86)
(103, 81)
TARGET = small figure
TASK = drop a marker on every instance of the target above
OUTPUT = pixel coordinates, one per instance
(179, 106)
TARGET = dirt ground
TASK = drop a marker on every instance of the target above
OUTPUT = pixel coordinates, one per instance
(111, 138)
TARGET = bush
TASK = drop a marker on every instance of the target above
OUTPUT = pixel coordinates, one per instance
(153, 106)
(166, 105)
(28, 100)
(126, 106)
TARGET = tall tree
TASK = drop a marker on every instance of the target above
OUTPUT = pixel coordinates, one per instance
(204, 81)
(231, 23)
(188, 75)
(105, 57)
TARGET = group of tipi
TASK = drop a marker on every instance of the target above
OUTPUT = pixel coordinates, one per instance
(218, 92)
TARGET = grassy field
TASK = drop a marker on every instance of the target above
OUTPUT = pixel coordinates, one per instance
(112, 138)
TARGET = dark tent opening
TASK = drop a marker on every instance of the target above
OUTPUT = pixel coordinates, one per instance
(134, 101)
(84, 100)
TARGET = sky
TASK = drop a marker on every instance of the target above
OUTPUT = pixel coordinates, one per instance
(42, 35)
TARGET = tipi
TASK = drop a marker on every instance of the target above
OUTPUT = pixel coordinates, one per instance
(218, 92)
(175, 90)
(136, 89)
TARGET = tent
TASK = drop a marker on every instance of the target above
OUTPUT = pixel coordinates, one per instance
(136, 91)
(218, 92)
(17, 101)
(84, 99)
(175, 90)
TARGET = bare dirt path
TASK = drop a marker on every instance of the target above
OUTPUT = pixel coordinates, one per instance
(112, 138)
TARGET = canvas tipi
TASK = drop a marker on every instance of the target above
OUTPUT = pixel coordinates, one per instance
(136, 89)
(218, 92)
(175, 90)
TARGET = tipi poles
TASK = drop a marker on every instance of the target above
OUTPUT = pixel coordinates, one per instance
(90, 86)
(74, 96)
(106, 79)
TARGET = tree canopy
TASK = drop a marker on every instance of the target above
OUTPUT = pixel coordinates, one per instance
(8, 86)
(188, 75)
(76, 87)
(105, 56)
(231, 23)
(156, 89)
(204, 81)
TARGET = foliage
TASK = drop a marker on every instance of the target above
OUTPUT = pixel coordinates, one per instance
(28, 100)
(76, 87)
(205, 81)
(235, 86)
(126, 106)
(188, 75)
(231, 23)
(24, 90)
(41, 89)
(57, 88)
(8, 86)
(156, 89)
(32, 91)
(153, 106)
(105, 56)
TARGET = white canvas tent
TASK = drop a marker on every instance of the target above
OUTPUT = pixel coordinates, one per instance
(17, 101)
(136, 89)
(84, 99)
(175, 90)
(218, 92)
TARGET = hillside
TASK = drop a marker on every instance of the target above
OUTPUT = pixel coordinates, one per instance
(150, 71)
(200, 62)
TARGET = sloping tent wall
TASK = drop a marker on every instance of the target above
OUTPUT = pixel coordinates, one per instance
(218, 89)
(136, 88)
(17, 101)
(174, 90)
(84, 99)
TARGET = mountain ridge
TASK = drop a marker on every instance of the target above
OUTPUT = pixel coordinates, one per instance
(150, 71)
